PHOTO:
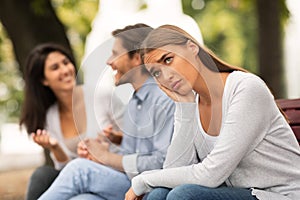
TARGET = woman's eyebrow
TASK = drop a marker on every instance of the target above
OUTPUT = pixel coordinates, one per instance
(163, 57)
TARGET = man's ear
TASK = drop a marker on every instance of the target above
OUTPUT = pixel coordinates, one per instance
(194, 48)
(136, 59)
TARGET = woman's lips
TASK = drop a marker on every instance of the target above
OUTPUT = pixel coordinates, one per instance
(67, 79)
(175, 85)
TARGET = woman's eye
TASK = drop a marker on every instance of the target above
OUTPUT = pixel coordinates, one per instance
(54, 67)
(156, 74)
(66, 61)
(168, 60)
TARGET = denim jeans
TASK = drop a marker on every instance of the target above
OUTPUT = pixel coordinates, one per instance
(197, 192)
(86, 196)
(88, 179)
(40, 181)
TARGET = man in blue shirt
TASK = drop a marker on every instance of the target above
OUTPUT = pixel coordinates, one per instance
(147, 131)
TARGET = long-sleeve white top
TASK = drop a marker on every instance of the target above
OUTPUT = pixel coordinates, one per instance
(256, 147)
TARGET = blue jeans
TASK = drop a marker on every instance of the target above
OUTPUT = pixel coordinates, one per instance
(82, 178)
(197, 192)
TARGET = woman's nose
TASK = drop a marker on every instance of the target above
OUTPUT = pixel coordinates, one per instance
(65, 68)
(167, 74)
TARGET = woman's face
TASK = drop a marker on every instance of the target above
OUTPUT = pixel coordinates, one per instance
(59, 72)
(172, 67)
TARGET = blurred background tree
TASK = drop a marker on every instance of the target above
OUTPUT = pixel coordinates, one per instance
(270, 43)
(245, 33)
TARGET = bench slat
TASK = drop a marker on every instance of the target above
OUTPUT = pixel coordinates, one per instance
(288, 103)
(296, 130)
(293, 116)
(291, 108)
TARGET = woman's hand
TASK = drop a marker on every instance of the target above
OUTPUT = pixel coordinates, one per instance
(190, 97)
(130, 195)
(43, 138)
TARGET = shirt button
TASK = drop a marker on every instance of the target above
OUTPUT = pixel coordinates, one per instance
(139, 107)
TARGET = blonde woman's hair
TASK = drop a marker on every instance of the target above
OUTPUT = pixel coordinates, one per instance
(173, 35)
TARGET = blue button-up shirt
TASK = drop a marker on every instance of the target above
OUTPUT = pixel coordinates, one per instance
(147, 129)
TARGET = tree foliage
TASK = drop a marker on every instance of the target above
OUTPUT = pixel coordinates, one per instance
(77, 16)
(245, 33)
(229, 28)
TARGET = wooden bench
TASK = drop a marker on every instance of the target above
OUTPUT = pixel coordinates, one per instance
(291, 108)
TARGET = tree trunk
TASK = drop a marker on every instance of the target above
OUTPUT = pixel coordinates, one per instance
(28, 23)
(270, 46)
(31, 22)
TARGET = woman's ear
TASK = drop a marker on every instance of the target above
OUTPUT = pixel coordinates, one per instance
(45, 82)
(194, 48)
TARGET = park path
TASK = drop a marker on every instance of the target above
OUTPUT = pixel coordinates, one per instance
(13, 183)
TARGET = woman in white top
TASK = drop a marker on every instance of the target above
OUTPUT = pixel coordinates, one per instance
(230, 139)
(54, 110)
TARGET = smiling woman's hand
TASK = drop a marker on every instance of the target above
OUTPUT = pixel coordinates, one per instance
(42, 137)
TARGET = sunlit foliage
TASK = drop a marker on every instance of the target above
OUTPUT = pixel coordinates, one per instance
(229, 28)
(77, 16)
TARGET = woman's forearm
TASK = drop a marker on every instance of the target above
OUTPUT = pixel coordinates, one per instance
(59, 153)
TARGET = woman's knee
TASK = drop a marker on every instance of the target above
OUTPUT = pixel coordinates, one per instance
(186, 191)
(76, 163)
(197, 192)
(78, 167)
(158, 193)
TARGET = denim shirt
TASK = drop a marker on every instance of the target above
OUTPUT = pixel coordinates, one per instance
(147, 130)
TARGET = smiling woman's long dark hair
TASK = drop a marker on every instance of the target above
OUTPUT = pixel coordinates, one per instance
(37, 97)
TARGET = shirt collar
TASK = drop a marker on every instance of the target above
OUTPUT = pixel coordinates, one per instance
(143, 92)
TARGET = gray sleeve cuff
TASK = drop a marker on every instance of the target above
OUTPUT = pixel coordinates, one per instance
(185, 111)
(130, 165)
(138, 185)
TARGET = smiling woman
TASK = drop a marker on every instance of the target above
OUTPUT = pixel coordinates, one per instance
(49, 83)
(54, 111)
